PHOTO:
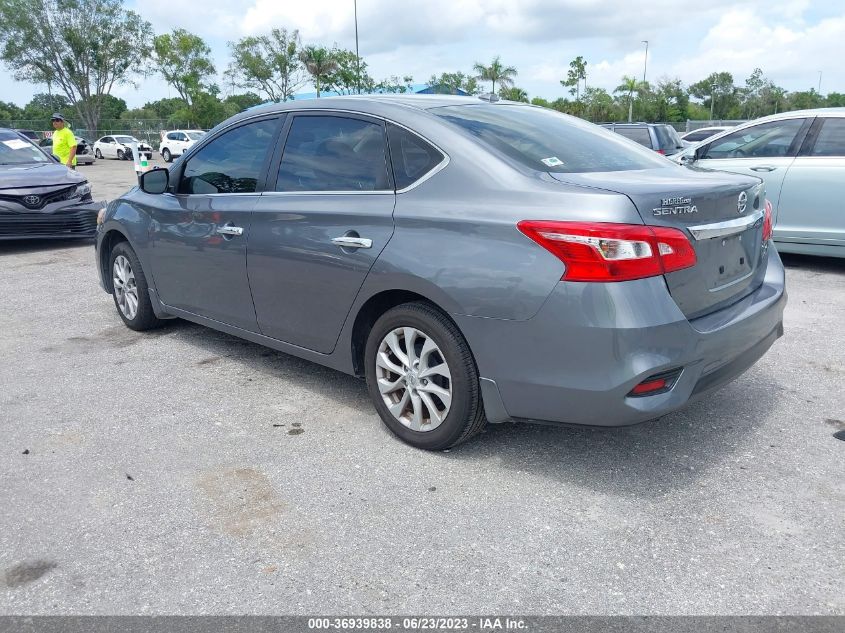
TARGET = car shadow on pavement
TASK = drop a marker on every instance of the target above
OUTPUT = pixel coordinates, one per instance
(813, 263)
(18, 247)
(643, 461)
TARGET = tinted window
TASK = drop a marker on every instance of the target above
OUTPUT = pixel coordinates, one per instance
(764, 140)
(831, 138)
(700, 135)
(330, 153)
(637, 134)
(412, 157)
(232, 162)
(106, 139)
(546, 140)
(667, 137)
(173, 136)
(195, 136)
(15, 150)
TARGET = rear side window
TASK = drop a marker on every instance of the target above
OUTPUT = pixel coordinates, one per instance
(546, 140)
(232, 162)
(333, 153)
(637, 134)
(173, 136)
(831, 138)
(412, 157)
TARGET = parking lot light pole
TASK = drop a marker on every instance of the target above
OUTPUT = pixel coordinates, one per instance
(712, 100)
(645, 61)
(357, 57)
(820, 82)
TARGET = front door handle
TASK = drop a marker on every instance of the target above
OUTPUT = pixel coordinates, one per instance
(347, 241)
(763, 168)
(230, 229)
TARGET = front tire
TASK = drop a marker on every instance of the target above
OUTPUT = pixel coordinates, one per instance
(98, 154)
(120, 154)
(422, 377)
(165, 154)
(130, 290)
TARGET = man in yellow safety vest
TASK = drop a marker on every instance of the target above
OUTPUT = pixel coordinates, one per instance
(64, 142)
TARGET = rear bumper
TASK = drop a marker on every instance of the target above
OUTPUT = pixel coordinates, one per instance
(577, 360)
(72, 221)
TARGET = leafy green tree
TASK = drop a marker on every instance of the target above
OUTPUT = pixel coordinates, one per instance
(835, 100)
(577, 73)
(514, 94)
(319, 63)
(110, 107)
(598, 105)
(10, 111)
(348, 74)
(243, 101)
(630, 85)
(165, 108)
(496, 72)
(670, 101)
(719, 88)
(139, 114)
(539, 101)
(43, 105)
(805, 99)
(83, 47)
(269, 64)
(451, 83)
(393, 85)
(184, 60)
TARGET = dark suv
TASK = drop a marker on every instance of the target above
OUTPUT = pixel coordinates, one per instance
(39, 197)
(662, 138)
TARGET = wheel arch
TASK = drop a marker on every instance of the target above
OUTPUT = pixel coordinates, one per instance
(370, 311)
(110, 239)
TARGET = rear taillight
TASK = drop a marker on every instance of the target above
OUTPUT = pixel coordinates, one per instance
(611, 252)
(767, 223)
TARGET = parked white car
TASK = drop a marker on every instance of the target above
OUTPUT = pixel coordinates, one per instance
(801, 157)
(177, 142)
(704, 133)
(119, 147)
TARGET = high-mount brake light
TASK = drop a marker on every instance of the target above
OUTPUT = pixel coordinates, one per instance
(598, 251)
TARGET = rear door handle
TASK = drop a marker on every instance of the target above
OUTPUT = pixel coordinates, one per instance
(352, 242)
(230, 229)
(763, 168)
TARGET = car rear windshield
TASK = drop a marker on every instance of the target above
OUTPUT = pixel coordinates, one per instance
(668, 137)
(14, 150)
(195, 136)
(546, 140)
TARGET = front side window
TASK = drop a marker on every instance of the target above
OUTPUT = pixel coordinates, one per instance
(412, 157)
(766, 140)
(333, 153)
(546, 140)
(106, 139)
(231, 163)
(831, 138)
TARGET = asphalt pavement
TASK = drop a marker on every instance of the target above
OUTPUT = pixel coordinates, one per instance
(185, 471)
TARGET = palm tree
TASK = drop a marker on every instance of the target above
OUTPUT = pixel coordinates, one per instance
(319, 62)
(514, 94)
(630, 85)
(496, 72)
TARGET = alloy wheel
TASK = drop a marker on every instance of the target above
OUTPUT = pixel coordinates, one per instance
(125, 290)
(414, 379)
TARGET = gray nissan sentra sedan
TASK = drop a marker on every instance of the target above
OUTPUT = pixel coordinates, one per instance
(476, 261)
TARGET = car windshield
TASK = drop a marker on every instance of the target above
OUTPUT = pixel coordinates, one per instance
(545, 140)
(195, 136)
(126, 139)
(668, 137)
(16, 151)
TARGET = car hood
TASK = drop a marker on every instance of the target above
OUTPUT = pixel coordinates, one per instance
(37, 175)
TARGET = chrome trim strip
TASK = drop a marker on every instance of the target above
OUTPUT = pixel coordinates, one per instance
(380, 192)
(722, 229)
(732, 283)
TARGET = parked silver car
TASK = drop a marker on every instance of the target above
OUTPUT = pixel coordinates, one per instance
(801, 156)
(475, 261)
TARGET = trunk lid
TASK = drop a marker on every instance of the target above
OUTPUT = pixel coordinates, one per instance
(708, 206)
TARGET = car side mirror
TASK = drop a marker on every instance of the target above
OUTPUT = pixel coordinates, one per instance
(155, 181)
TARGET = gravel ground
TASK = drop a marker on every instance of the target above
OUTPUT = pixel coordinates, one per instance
(185, 471)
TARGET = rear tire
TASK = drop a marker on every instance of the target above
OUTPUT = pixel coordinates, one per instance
(165, 154)
(130, 290)
(430, 397)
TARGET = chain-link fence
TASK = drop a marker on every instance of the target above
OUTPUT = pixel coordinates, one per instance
(147, 130)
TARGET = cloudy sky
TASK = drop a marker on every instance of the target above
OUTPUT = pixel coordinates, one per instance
(791, 40)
